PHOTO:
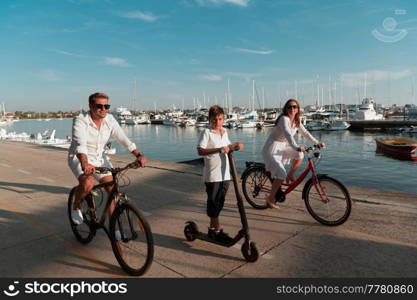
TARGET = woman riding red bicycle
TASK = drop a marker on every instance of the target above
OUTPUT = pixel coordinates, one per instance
(281, 147)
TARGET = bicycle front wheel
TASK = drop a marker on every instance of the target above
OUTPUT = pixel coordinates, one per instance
(256, 186)
(83, 232)
(131, 239)
(328, 201)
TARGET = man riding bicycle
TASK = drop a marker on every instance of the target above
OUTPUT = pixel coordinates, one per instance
(90, 134)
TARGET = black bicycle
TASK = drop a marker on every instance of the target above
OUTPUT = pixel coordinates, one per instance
(129, 232)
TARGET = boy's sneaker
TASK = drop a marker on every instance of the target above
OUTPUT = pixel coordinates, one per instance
(77, 216)
(223, 237)
(211, 233)
(220, 236)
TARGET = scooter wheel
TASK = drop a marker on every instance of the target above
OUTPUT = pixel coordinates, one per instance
(190, 231)
(250, 252)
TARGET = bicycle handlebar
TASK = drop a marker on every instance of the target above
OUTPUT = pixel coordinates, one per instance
(133, 165)
(236, 148)
(311, 148)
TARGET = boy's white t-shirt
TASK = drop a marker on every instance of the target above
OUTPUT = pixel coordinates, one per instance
(216, 166)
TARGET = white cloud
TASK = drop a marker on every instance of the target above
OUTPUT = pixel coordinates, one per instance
(66, 53)
(49, 75)
(144, 16)
(211, 77)
(246, 76)
(358, 79)
(194, 61)
(115, 61)
(238, 2)
(242, 3)
(251, 51)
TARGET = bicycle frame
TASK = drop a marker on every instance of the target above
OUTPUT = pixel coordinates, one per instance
(290, 187)
(300, 178)
(110, 197)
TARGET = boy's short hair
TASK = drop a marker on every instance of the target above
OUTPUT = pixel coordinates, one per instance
(214, 111)
(93, 97)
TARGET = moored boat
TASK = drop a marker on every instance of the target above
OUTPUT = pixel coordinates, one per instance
(402, 148)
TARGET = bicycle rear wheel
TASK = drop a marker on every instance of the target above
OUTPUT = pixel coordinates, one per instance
(133, 245)
(84, 232)
(256, 186)
(331, 208)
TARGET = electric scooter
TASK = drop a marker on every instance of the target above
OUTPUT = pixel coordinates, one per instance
(249, 250)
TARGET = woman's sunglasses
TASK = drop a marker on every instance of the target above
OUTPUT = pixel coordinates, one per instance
(102, 106)
(292, 106)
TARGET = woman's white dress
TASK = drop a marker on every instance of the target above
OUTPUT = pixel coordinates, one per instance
(281, 147)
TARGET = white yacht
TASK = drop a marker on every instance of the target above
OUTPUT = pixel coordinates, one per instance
(137, 120)
(251, 115)
(202, 121)
(316, 125)
(231, 123)
(332, 125)
(250, 124)
(157, 118)
(122, 114)
(367, 111)
(170, 121)
(187, 121)
(335, 125)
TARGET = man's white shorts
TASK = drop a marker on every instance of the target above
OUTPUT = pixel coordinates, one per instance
(75, 167)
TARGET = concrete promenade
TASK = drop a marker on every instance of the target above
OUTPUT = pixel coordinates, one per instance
(378, 240)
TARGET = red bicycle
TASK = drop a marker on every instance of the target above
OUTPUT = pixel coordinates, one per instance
(327, 200)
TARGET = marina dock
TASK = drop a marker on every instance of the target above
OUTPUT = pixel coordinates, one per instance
(380, 124)
(378, 240)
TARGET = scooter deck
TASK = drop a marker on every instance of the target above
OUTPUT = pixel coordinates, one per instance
(204, 237)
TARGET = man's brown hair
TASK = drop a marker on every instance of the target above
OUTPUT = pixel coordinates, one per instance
(93, 97)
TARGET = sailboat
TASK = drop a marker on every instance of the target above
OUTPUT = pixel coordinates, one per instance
(4, 121)
(142, 118)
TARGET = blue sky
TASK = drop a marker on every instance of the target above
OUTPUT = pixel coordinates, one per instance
(54, 53)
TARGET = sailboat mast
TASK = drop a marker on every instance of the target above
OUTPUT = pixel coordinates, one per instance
(229, 96)
(364, 88)
(296, 89)
(253, 94)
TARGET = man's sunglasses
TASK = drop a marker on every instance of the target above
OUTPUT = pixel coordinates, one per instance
(102, 106)
(292, 106)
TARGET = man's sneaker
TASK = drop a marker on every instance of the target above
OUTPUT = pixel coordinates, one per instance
(118, 235)
(77, 216)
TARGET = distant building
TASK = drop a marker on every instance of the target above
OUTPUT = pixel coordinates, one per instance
(410, 112)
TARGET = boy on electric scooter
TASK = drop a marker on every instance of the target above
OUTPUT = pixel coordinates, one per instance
(213, 145)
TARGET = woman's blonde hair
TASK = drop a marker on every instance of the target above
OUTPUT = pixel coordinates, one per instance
(285, 112)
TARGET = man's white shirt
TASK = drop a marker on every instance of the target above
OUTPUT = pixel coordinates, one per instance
(90, 140)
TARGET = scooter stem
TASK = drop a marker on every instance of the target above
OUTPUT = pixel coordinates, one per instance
(239, 199)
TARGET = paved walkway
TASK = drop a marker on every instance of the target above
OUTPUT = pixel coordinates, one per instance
(379, 239)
